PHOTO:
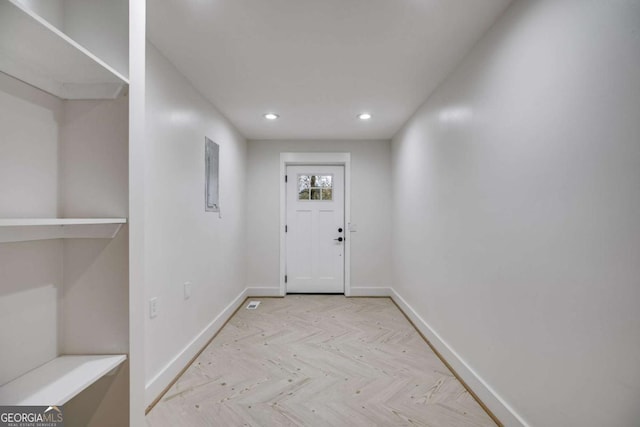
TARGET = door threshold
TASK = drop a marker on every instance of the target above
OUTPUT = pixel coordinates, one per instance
(314, 293)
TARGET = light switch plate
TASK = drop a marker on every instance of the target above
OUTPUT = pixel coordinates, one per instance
(153, 307)
(187, 290)
(353, 227)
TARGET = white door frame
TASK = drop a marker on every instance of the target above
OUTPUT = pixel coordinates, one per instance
(332, 159)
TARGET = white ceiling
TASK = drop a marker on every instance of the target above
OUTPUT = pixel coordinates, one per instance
(318, 63)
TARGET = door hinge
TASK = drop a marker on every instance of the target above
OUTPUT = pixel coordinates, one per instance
(286, 228)
(285, 178)
(285, 278)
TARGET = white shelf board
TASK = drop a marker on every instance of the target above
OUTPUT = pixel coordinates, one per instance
(58, 381)
(20, 222)
(35, 52)
(27, 229)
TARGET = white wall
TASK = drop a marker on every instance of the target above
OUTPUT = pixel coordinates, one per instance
(30, 272)
(30, 293)
(93, 177)
(29, 123)
(101, 26)
(183, 242)
(94, 317)
(516, 205)
(50, 10)
(370, 209)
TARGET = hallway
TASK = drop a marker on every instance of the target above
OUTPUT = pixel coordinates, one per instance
(318, 360)
(465, 172)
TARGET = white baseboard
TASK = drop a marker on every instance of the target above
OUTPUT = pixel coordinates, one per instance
(356, 291)
(263, 291)
(160, 381)
(370, 291)
(485, 393)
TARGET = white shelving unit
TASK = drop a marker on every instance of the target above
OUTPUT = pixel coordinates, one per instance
(35, 52)
(28, 229)
(68, 157)
(58, 381)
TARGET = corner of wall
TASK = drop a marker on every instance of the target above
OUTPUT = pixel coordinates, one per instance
(157, 385)
(487, 396)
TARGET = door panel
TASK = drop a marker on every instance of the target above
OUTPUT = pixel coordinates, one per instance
(315, 213)
(303, 241)
(326, 246)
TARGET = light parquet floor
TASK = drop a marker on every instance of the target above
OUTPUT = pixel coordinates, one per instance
(318, 360)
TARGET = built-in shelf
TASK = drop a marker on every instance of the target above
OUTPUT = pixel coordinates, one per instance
(35, 52)
(58, 381)
(26, 229)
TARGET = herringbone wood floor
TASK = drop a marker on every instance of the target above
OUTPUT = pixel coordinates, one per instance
(318, 360)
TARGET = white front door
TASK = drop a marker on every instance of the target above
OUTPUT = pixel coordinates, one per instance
(315, 230)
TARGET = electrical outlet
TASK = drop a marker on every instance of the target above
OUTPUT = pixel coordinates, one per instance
(153, 307)
(187, 290)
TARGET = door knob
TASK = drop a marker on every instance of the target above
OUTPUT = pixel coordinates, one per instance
(339, 239)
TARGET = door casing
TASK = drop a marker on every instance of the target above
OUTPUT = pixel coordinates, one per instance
(332, 159)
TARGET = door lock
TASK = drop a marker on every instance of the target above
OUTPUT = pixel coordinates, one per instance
(340, 230)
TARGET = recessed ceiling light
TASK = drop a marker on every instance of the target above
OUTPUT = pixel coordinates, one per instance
(364, 116)
(271, 116)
